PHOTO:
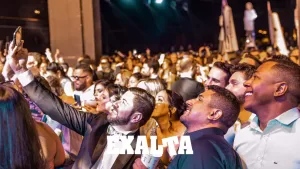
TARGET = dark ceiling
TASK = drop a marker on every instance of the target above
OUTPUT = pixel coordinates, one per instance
(132, 23)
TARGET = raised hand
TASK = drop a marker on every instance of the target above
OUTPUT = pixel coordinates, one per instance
(17, 58)
(49, 55)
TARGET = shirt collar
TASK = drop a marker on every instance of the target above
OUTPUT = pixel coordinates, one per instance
(124, 132)
(289, 116)
(285, 118)
(186, 74)
(207, 131)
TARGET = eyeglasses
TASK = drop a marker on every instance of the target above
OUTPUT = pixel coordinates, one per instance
(77, 77)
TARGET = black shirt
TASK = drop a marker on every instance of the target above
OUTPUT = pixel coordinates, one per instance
(211, 151)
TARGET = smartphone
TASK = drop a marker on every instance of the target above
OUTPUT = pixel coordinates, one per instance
(17, 37)
(77, 99)
(161, 59)
(134, 52)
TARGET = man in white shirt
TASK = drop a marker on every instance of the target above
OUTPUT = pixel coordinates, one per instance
(272, 138)
(83, 83)
(240, 74)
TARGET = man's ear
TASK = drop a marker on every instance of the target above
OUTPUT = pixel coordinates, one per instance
(215, 114)
(281, 89)
(136, 117)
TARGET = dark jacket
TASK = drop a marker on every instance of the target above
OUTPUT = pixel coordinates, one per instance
(92, 127)
(210, 151)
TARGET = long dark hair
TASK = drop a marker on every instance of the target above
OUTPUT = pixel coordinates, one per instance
(176, 100)
(20, 147)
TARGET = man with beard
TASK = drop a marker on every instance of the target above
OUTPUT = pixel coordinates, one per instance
(83, 83)
(150, 69)
(272, 138)
(132, 111)
(240, 74)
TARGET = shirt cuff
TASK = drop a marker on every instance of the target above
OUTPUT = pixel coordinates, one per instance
(25, 78)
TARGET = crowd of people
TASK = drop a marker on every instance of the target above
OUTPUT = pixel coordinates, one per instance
(240, 110)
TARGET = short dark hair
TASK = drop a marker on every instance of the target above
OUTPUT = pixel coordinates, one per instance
(225, 67)
(137, 75)
(103, 82)
(246, 69)
(85, 68)
(226, 101)
(116, 90)
(143, 102)
(281, 57)
(288, 71)
(53, 67)
(152, 63)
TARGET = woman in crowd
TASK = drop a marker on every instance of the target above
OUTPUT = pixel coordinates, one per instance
(122, 78)
(168, 109)
(152, 86)
(23, 139)
(101, 95)
(134, 80)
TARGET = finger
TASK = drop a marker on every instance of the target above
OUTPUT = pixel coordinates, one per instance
(21, 44)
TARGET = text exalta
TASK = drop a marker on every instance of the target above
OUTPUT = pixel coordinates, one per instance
(122, 145)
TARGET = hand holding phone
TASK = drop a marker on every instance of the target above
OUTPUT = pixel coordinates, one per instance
(17, 37)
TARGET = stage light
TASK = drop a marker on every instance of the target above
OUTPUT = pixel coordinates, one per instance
(37, 12)
(158, 1)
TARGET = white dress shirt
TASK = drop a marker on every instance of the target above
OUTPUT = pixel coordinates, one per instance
(87, 95)
(106, 161)
(277, 147)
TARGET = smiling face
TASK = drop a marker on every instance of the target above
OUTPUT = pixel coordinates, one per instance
(121, 111)
(198, 110)
(260, 88)
(216, 77)
(236, 86)
(83, 81)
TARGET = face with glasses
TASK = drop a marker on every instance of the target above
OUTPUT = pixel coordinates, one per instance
(82, 80)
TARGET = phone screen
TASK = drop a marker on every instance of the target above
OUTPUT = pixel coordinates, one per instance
(77, 99)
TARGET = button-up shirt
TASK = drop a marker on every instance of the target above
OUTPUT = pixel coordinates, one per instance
(277, 147)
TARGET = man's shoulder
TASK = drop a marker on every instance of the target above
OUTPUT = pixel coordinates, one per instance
(209, 144)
